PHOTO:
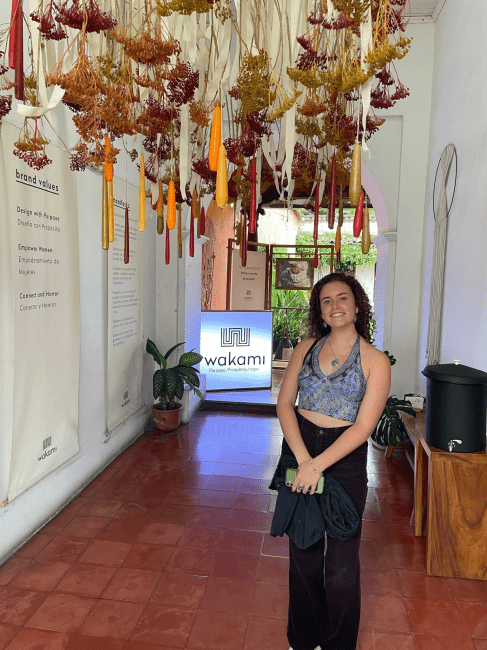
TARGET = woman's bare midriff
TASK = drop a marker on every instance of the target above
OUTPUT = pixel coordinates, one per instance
(322, 420)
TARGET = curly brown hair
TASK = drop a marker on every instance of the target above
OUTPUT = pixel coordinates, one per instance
(365, 323)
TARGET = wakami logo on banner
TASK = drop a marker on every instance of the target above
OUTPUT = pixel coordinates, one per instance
(235, 337)
(45, 445)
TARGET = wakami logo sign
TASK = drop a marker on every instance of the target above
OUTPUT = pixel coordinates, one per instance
(45, 445)
(235, 337)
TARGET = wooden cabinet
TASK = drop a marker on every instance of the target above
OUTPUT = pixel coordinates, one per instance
(452, 488)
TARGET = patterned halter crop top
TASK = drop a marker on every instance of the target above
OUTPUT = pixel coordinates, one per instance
(338, 395)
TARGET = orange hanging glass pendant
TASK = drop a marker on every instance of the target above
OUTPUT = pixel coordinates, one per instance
(111, 214)
(171, 205)
(215, 139)
(221, 179)
(108, 166)
(338, 239)
(142, 194)
(104, 216)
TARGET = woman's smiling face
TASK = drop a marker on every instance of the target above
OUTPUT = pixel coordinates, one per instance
(337, 304)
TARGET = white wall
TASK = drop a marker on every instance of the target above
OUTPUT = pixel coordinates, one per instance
(31, 510)
(399, 163)
(278, 226)
(28, 512)
(458, 95)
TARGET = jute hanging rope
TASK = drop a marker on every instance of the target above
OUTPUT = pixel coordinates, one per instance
(441, 213)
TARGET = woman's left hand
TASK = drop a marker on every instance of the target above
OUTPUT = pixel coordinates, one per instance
(306, 479)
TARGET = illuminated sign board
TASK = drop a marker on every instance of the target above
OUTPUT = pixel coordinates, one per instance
(237, 349)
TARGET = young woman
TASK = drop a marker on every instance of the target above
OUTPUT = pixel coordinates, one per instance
(343, 384)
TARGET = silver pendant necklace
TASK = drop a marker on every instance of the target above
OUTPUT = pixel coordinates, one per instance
(334, 361)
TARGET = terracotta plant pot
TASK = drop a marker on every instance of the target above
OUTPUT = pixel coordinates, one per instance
(166, 420)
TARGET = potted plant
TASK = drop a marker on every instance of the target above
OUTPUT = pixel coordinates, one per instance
(346, 267)
(290, 309)
(390, 429)
(168, 384)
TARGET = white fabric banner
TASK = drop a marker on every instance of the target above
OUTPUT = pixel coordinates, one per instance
(44, 314)
(125, 310)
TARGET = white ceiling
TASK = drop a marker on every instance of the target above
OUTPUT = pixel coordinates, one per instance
(430, 8)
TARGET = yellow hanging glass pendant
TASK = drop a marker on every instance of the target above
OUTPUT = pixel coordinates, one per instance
(366, 232)
(355, 186)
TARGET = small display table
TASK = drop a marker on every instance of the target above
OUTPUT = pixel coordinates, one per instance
(452, 488)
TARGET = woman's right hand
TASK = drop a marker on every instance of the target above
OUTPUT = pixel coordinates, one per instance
(307, 477)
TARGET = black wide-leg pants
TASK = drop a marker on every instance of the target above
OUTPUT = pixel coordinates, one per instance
(324, 587)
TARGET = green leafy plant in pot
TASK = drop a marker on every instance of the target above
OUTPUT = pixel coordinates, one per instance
(168, 384)
(390, 428)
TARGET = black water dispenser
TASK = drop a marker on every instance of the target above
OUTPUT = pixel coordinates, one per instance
(456, 407)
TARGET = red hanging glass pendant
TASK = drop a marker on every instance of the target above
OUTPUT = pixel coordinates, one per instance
(202, 221)
(333, 189)
(358, 220)
(253, 198)
(12, 44)
(16, 47)
(168, 252)
(191, 236)
(317, 213)
(315, 260)
(126, 250)
(244, 239)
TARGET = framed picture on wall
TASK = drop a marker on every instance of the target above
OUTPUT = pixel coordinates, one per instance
(294, 273)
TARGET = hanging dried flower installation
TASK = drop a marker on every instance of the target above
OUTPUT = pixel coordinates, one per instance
(298, 92)
(49, 27)
(84, 14)
(30, 147)
(5, 105)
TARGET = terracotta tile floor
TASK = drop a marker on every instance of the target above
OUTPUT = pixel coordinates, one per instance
(168, 548)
